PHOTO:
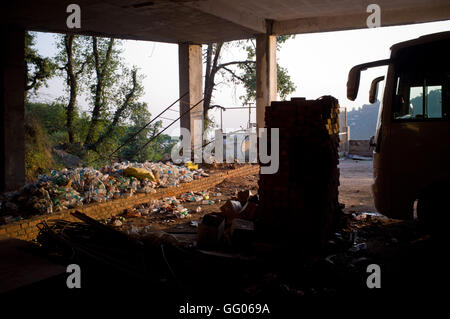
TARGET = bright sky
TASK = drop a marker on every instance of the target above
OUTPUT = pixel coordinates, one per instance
(318, 64)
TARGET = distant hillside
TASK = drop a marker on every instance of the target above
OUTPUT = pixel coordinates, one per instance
(363, 121)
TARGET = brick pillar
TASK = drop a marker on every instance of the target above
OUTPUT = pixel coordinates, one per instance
(12, 135)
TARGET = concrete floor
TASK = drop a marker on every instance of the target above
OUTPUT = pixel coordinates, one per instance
(355, 189)
(20, 265)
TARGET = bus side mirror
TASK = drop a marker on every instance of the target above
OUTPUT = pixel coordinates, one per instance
(374, 89)
(354, 77)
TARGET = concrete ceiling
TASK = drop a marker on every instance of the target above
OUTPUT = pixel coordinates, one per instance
(203, 21)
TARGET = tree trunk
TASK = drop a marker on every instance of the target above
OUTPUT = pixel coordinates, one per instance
(72, 83)
(98, 100)
(212, 58)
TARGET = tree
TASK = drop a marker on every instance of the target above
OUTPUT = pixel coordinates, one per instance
(239, 72)
(136, 150)
(37, 68)
(130, 92)
(105, 62)
(114, 90)
(284, 84)
(213, 67)
(74, 56)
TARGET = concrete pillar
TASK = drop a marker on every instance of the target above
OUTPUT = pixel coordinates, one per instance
(12, 135)
(266, 75)
(190, 77)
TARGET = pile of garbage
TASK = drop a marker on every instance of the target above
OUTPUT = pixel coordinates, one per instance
(200, 197)
(71, 188)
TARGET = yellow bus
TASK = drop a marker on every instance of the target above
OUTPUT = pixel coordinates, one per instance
(412, 138)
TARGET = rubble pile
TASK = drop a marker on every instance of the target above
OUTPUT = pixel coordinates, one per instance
(232, 227)
(70, 188)
(299, 203)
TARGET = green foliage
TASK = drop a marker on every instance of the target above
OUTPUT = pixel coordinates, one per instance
(81, 54)
(285, 86)
(38, 156)
(52, 118)
(108, 62)
(135, 150)
(48, 128)
(38, 69)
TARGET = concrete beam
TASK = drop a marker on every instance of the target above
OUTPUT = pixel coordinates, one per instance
(266, 75)
(12, 111)
(226, 11)
(191, 80)
(391, 17)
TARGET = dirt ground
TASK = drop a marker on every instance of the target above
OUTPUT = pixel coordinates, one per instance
(355, 189)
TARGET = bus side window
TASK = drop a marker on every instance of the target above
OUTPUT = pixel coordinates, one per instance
(421, 102)
(416, 102)
(433, 101)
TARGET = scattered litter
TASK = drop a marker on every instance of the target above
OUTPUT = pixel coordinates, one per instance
(117, 223)
(139, 173)
(358, 247)
(359, 158)
(194, 223)
(191, 165)
(133, 213)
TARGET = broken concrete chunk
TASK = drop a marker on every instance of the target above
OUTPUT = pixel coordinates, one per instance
(231, 210)
(243, 196)
(248, 211)
(254, 199)
(210, 230)
(242, 232)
